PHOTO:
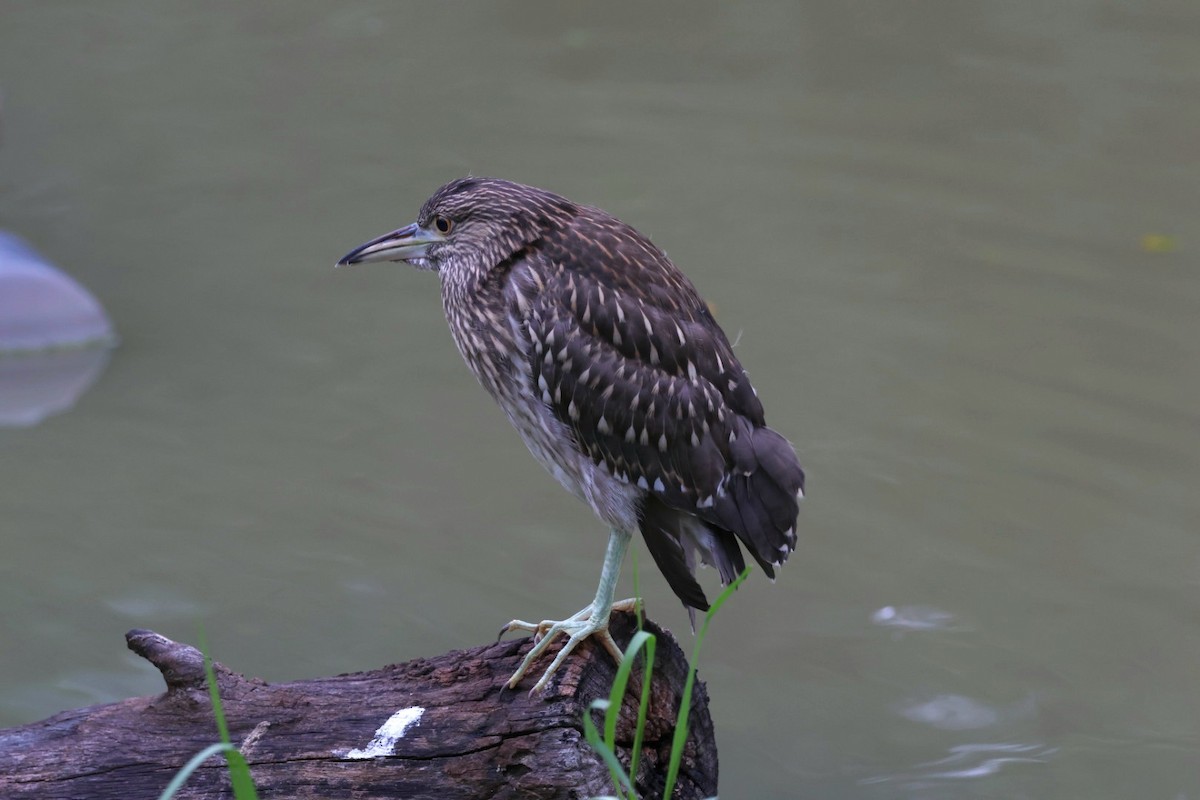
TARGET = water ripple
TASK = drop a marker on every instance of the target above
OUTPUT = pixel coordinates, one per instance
(969, 761)
(914, 618)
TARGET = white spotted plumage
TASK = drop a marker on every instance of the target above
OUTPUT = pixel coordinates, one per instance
(611, 367)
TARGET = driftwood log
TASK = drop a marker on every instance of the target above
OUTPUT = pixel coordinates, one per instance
(441, 727)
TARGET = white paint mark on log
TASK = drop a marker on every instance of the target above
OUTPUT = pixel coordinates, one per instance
(384, 743)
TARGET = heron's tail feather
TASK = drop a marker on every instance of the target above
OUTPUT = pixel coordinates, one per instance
(759, 506)
(760, 502)
(675, 538)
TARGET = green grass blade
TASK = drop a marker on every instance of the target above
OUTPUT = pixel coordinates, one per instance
(607, 746)
(620, 779)
(637, 593)
(239, 776)
(190, 767)
(685, 702)
(239, 770)
(643, 705)
(647, 674)
(617, 694)
(214, 693)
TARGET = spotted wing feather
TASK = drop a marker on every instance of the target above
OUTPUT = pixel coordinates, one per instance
(631, 360)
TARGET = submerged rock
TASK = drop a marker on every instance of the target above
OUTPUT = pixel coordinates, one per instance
(55, 337)
(41, 307)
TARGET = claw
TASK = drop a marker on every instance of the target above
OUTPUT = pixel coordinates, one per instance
(517, 625)
(591, 621)
(577, 627)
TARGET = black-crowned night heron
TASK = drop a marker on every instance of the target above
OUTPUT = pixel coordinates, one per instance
(611, 367)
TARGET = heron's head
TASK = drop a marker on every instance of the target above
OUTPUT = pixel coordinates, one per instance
(470, 224)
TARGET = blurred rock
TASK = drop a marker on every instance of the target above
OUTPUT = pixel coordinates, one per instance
(42, 307)
(55, 337)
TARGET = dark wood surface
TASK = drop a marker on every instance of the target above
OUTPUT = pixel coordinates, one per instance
(474, 738)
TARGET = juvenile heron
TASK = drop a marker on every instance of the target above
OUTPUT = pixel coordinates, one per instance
(611, 367)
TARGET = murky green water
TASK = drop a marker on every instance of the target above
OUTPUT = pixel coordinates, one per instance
(926, 222)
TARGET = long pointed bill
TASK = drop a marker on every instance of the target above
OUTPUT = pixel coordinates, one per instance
(409, 243)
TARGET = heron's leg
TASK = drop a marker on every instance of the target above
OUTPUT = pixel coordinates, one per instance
(591, 621)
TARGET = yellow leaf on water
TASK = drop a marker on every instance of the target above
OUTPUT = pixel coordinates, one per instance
(1158, 243)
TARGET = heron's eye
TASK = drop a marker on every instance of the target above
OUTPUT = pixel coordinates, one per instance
(443, 224)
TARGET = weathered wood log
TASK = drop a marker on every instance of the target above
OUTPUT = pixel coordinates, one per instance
(443, 727)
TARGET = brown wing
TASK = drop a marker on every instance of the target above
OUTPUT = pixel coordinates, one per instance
(633, 362)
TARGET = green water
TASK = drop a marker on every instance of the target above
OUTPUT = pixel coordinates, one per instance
(925, 222)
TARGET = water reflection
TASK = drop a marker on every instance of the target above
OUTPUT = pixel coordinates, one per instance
(34, 387)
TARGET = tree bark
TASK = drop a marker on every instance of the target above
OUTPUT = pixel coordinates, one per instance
(443, 727)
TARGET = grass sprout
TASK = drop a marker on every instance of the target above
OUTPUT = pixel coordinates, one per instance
(235, 762)
(605, 745)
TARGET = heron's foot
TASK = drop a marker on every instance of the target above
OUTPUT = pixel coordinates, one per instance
(577, 627)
